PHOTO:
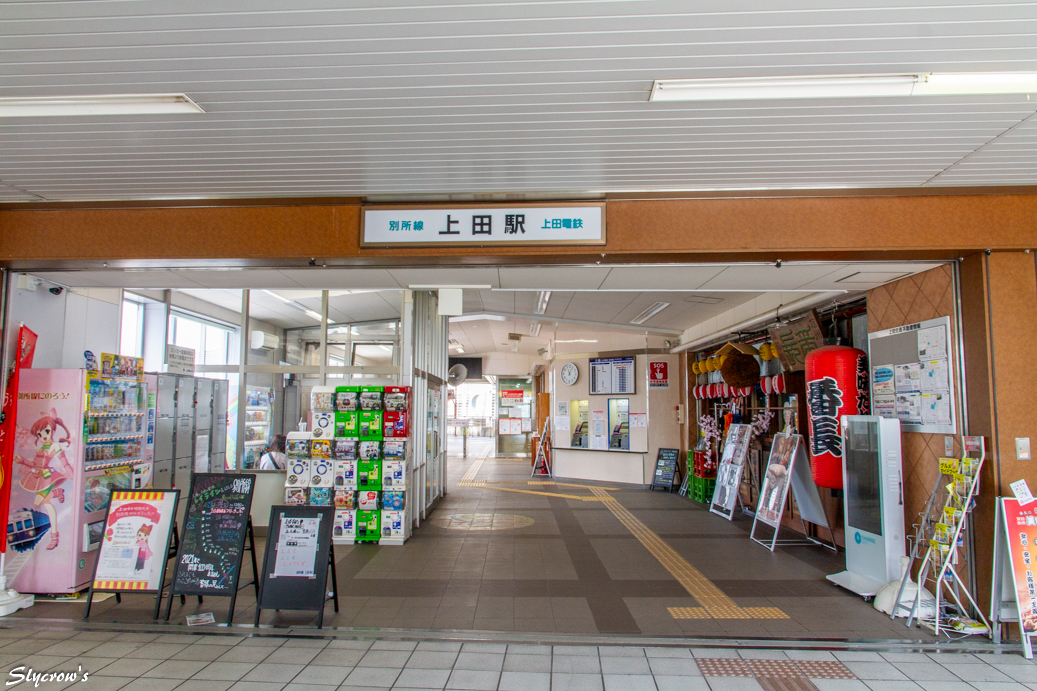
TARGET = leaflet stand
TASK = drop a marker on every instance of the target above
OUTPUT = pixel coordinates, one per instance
(946, 558)
(541, 463)
(1005, 606)
(804, 493)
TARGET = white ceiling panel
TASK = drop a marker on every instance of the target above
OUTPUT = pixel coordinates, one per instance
(446, 277)
(659, 277)
(326, 279)
(755, 277)
(384, 97)
(152, 278)
(552, 278)
(244, 278)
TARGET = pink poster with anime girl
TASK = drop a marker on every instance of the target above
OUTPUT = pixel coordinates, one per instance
(43, 526)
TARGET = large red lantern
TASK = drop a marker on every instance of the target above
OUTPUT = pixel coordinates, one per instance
(837, 385)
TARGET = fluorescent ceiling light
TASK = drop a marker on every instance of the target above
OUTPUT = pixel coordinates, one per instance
(649, 313)
(111, 104)
(844, 86)
(543, 297)
(534, 329)
(463, 286)
(460, 350)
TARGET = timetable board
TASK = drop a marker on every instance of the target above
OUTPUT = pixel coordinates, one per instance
(612, 376)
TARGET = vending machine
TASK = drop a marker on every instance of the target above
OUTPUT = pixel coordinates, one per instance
(80, 435)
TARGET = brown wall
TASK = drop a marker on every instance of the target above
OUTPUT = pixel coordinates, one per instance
(257, 232)
(927, 295)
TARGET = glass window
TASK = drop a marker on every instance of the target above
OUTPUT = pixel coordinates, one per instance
(579, 416)
(210, 342)
(131, 341)
(619, 425)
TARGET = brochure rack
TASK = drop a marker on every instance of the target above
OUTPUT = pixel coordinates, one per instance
(941, 532)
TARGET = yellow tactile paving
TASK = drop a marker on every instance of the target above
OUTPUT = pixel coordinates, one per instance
(715, 604)
(713, 600)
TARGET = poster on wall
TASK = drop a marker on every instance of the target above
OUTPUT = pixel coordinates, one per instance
(133, 549)
(659, 375)
(638, 420)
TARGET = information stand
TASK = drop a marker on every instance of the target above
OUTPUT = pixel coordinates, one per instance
(1013, 597)
(217, 524)
(729, 475)
(299, 558)
(788, 467)
(666, 469)
(132, 554)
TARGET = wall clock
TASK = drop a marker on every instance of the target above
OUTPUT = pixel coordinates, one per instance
(570, 373)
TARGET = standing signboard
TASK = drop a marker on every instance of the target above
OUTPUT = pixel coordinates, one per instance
(213, 543)
(135, 544)
(666, 469)
(299, 556)
(788, 469)
(1014, 592)
(729, 474)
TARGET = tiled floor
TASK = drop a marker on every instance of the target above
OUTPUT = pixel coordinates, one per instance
(162, 662)
(565, 560)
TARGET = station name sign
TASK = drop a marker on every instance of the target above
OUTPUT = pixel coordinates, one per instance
(581, 224)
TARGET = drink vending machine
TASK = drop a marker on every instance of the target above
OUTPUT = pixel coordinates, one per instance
(355, 459)
(80, 435)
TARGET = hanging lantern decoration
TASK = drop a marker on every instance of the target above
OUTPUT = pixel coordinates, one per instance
(695, 368)
(778, 383)
(767, 384)
(837, 385)
(765, 352)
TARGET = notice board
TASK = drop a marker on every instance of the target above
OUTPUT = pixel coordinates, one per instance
(665, 468)
(912, 376)
(295, 566)
(612, 375)
(213, 539)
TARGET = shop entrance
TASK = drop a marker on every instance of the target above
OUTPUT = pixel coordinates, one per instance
(601, 360)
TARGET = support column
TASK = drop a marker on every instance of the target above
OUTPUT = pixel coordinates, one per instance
(999, 332)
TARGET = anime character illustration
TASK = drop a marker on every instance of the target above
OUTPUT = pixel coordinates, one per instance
(143, 549)
(40, 476)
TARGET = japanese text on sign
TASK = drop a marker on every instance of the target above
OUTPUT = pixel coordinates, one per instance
(528, 225)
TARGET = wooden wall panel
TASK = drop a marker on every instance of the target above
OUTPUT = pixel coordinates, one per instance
(877, 227)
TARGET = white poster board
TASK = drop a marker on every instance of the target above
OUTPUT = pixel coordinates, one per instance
(135, 542)
(179, 360)
(788, 468)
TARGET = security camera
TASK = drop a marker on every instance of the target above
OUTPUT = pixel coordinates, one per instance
(57, 290)
(313, 262)
(777, 264)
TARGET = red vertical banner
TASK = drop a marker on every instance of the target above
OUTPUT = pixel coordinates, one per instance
(23, 358)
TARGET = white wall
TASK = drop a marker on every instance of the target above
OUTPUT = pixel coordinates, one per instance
(69, 323)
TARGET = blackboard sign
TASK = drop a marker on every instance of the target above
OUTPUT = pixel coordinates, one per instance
(299, 556)
(216, 526)
(666, 469)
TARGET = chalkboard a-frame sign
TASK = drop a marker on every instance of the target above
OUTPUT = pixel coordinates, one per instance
(217, 525)
(298, 558)
(667, 469)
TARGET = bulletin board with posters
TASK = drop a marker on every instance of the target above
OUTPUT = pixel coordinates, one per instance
(134, 544)
(912, 376)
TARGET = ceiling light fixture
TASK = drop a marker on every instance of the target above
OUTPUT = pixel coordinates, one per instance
(649, 313)
(295, 305)
(109, 104)
(543, 297)
(534, 329)
(844, 86)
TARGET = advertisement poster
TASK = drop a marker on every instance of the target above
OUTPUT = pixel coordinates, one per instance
(26, 351)
(883, 380)
(776, 482)
(43, 524)
(296, 549)
(729, 474)
(909, 407)
(1021, 529)
(907, 378)
(933, 376)
(932, 343)
(885, 406)
(659, 375)
(935, 408)
(136, 537)
(638, 420)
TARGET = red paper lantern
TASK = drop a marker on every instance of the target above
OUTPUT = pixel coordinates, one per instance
(779, 383)
(837, 385)
(767, 384)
